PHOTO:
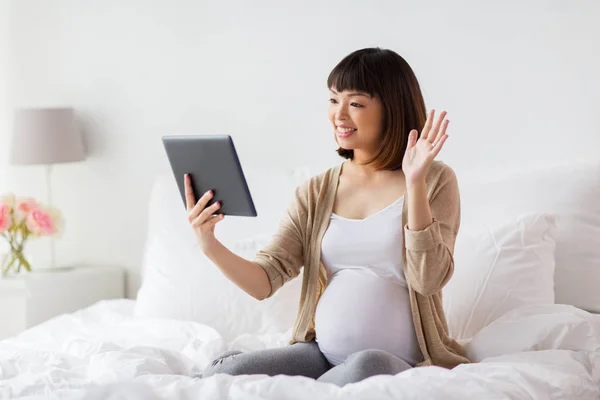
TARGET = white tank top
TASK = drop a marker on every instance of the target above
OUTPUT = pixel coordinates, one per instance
(366, 304)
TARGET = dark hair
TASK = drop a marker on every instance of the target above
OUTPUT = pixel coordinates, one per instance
(385, 74)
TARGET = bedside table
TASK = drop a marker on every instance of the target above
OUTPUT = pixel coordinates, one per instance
(34, 297)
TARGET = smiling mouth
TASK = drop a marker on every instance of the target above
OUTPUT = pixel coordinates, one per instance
(345, 132)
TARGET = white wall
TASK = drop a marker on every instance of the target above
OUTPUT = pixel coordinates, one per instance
(4, 90)
(519, 79)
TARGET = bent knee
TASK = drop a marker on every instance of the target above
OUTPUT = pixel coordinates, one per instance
(225, 363)
(371, 362)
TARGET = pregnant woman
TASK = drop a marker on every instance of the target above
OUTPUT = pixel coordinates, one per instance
(374, 234)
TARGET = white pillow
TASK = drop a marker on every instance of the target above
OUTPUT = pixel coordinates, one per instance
(179, 281)
(499, 267)
(571, 192)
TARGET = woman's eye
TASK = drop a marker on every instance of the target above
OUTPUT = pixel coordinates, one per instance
(334, 101)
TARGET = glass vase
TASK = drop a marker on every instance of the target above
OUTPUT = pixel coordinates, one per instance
(15, 261)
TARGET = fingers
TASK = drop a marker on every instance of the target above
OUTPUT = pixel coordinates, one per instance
(209, 211)
(194, 212)
(210, 224)
(189, 193)
(441, 133)
(412, 139)
(200, 214)
(206, 221)
(428, 123)
(215, 219)
(435, 130)
(440, 143)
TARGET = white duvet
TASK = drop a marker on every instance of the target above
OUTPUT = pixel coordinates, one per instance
(102, 352)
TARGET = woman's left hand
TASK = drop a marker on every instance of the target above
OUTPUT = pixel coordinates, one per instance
(420, 153)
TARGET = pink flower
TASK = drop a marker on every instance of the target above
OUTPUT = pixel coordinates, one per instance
(5, 219)
(8, 199)
(40, 222)
(26, 205)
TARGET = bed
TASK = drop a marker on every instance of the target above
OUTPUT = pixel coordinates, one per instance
(104, 352)
(538, 339)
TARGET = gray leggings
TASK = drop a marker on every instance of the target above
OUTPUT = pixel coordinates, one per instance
(306, 359)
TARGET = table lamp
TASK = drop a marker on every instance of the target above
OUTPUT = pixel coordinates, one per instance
(46, 136)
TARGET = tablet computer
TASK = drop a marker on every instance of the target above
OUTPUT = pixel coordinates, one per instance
(213, 164)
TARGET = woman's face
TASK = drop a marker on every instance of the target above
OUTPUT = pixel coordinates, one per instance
(357, 119)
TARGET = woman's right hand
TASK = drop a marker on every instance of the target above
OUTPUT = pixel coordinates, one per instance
(202, 218)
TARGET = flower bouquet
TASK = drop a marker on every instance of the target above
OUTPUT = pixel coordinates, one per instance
(21, 219)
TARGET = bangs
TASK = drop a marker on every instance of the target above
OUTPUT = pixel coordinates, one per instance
(353, 73)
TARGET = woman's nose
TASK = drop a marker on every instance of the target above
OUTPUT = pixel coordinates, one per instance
(341, 113)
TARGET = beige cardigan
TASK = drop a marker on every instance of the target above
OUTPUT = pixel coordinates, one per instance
(427, 256)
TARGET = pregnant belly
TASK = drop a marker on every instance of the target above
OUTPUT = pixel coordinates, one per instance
(360, 310)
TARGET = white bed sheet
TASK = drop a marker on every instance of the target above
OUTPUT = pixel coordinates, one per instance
(102, 352)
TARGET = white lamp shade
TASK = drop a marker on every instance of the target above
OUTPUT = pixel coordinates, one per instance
(46, 136)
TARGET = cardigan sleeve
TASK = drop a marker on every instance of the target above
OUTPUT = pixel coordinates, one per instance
(429, 252)
(283, 258)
